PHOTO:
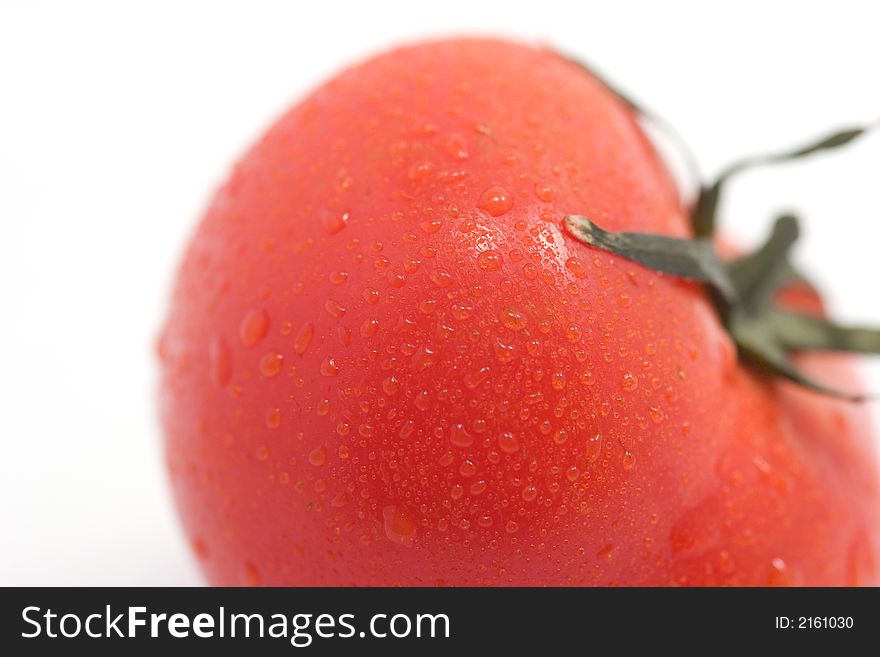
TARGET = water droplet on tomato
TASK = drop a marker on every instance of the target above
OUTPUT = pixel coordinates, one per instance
(460, 437)
(456, 492)
(369, 328)
(303, 338)
(318, 456)
(219, 362)
(473, 380)
(400, 527)
(271, 364)
(513, 320)
(467, 468)
(329, 367)
(544, 192)
(273, 418)
(576, 267)
(529, 493)
(334, 309)
(508, 442)
(496, 201)
(489, 261)
(254, 327)
(334, 222)
(629, 382)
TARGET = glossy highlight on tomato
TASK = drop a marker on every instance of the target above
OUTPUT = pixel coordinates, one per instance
(386, 363)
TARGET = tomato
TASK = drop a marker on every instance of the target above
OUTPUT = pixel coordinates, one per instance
(385, 362)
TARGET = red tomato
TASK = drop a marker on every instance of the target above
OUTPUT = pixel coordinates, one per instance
(385, 363)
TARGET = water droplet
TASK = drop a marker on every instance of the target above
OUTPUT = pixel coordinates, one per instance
(473, 380)
(250, 576)
(572, 473)
(254, 327)
(323, 407)
(329, 367)
(400, 527)
(318, 456)
(271, 364)
(424, 358)
(273, 418)
(370, 296)
(529, 493)
(422, 401)
(478, 487)
(513, 320)
(419, 171)
(656, 414)
(504, 352)
(369, 328)
(334, 309)
(333, 223)
(593, 448)
(427, 306)
(489, 261)
(303, 338)
(219, 362)
(467, 468)
(544, 192)
(560, 436)
(390, 385)
(511, 527)
(460, 437)
(262, 453)
(780, 574)
(338, 277)
(508, 442)
(629, 460)
(484, 521)
(576, 267)
(440, 278)
(496, 201)
(407, 428)
(629, 382)
(558, 380)
(456, 492)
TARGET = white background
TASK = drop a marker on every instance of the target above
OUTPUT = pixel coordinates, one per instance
(117, 120)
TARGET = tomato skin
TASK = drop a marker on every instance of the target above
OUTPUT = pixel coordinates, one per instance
(386, 364)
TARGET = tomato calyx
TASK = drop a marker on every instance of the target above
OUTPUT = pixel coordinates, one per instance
(744, 290)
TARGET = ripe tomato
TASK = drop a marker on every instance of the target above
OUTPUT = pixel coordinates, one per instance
(385, 362)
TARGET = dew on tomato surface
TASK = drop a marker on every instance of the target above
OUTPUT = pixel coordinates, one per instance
(544, 192)
(318, 456)
(593, 449)
(629, 460)
(474, 379)
(460, 437)
(422, 401)
(456, 492)
(529, 493)
(219, 362)
(467, 468)
(496, 200)
(489, 261)
(508, 442)
(254, 327)
(400, 526)
(329, 367)
(512, 320)
(334, 222)
(273, 418)
(303, 338)
(629, 382)
(271, 364)
(250, 576)
(334, 309)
